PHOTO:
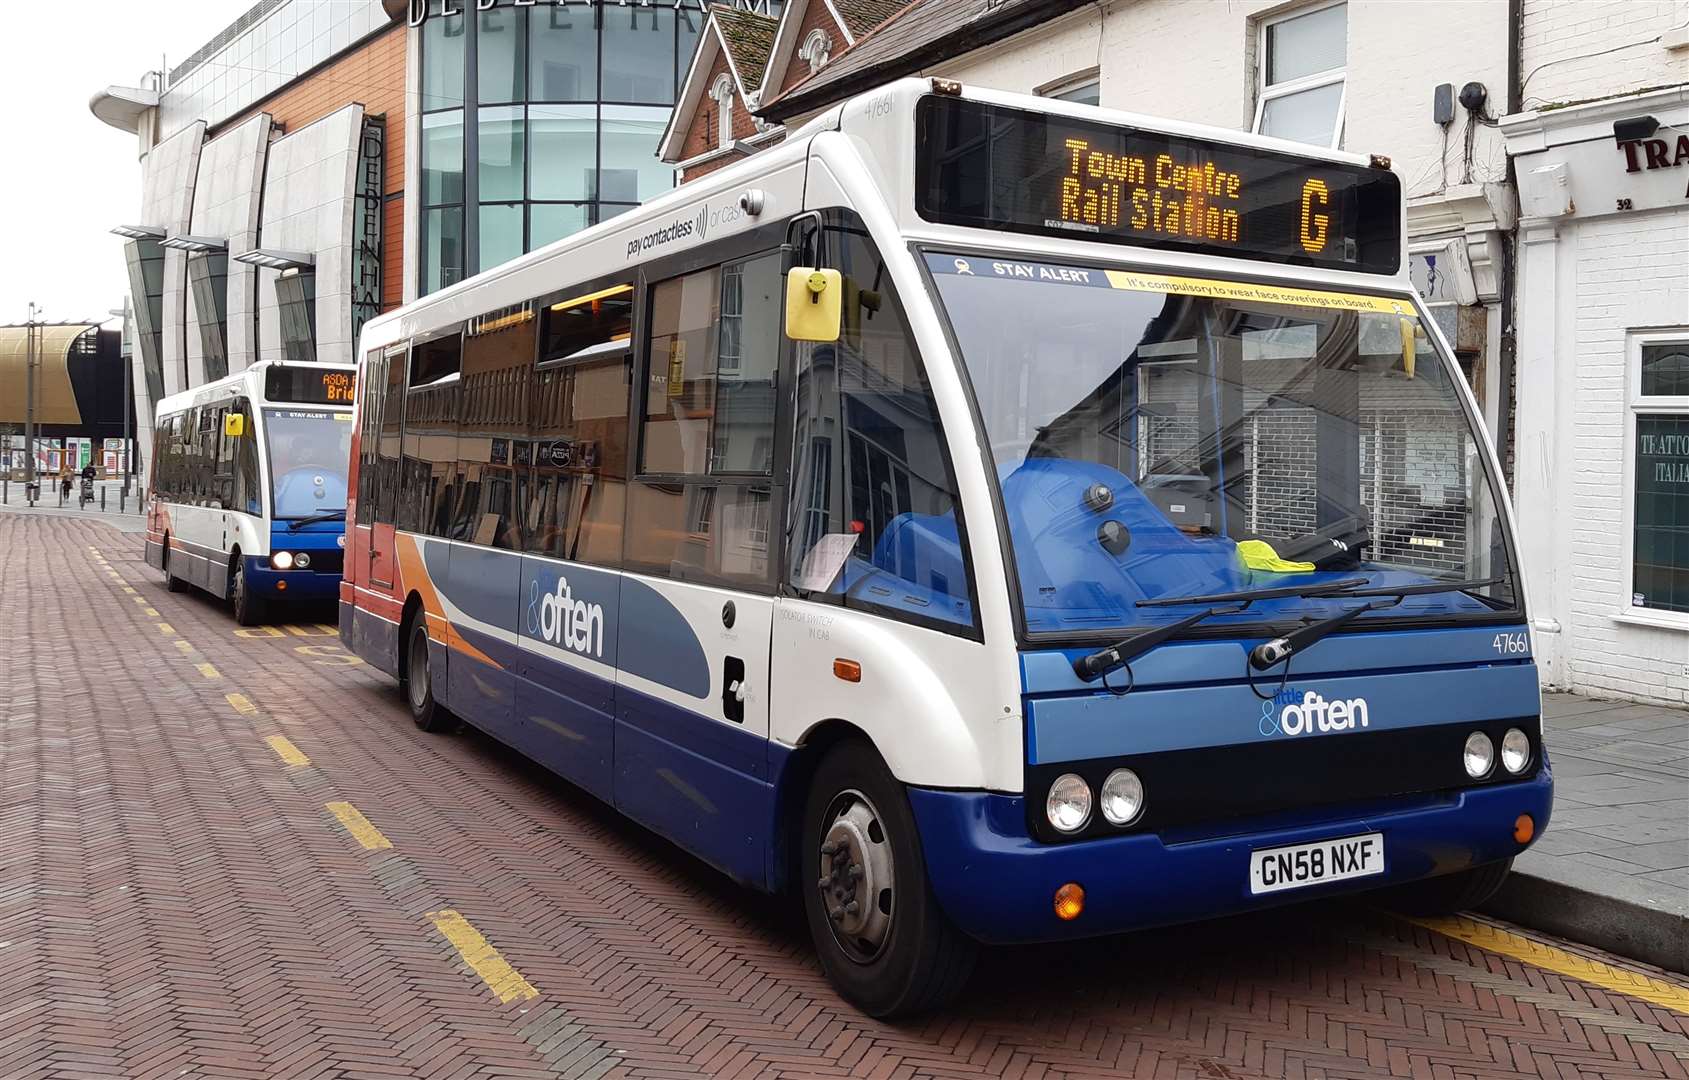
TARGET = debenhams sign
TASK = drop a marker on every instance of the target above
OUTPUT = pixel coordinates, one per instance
(417, 12)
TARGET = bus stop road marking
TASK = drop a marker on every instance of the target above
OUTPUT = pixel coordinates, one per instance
(358, 825)
(506, 983)
(130, 589)
(166, 629)
(243, 705)
(184, 646)
(284, 748)
(150, 612)
(208, 671)
(1619, 980)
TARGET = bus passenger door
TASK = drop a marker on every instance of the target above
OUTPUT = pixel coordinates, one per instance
(381, 459)
(697, 605)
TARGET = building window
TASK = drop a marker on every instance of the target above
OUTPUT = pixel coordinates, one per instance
(1300, 58)
(296, 310)
(146, 292)
(549, 158)
(1659, 475)
(722, 94)
(208, 279)
(816, 50)
(1083, 88)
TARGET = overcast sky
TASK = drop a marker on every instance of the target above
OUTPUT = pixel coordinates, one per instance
(66, 178)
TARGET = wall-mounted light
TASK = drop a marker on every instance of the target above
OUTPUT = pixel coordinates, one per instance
(1632, 128)
(271, 259)
(201, 245)
(139, 232)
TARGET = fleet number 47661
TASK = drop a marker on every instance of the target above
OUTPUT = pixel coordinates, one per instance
(1511, 644)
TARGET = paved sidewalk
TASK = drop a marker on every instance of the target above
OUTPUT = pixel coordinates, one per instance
(132, 520)
(1613, 867)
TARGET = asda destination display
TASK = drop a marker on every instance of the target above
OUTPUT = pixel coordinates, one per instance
(308, 387)
(993, 167)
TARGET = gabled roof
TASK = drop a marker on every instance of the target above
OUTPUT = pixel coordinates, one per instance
(746, 39)
(861, 17)
(923, 33)
(854, 19)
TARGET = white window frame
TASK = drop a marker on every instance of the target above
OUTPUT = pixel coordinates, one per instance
(1636, 404)
(816, 50)
(721, 92)
(1069, 83)
(1340, 74)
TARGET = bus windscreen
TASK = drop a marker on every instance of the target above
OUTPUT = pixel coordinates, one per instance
(1006, 169)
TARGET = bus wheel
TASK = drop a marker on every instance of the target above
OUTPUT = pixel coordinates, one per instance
(249, 609)
(428, 713)
(884, 942)
(172, 583)
(1462, 890)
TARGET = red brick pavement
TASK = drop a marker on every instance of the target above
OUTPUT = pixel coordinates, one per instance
(176, 902)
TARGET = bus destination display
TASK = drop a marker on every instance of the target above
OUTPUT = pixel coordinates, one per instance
(308, 387)
(987, 166)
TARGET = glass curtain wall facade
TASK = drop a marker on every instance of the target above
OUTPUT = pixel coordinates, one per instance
(559, 106)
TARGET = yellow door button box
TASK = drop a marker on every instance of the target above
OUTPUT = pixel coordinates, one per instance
(814, 303)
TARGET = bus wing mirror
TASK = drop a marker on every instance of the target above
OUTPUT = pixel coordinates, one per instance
(814, 304)
(234, 425)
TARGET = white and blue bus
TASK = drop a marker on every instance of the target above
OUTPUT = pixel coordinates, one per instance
(247, 496)
(989, 518)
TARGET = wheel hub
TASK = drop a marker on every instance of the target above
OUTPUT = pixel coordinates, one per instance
(856, 877)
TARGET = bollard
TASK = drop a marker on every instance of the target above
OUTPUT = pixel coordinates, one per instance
(6, 489)
(122, 497)
(102, 499)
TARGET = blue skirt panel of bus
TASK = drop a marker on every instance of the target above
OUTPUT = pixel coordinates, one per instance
(999, 885)
(261, 578)
(699, 781)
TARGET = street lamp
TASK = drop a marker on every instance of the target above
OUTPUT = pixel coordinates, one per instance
(128, 400)
(29, 478)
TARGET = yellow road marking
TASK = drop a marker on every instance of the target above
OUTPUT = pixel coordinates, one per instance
(243, 705)
(151, 612)
(130, 589)
(1634, 984)
(359, 826)
(142, 600)
(185, 646)
(291, 754)
(166, 628)
(208, 671)
(503, 980)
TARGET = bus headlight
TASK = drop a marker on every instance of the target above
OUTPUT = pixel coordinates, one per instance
(1069, 804)
(1121, 797)
(302, 560)
(1515, 750)
(282, 560)
(1479, 755)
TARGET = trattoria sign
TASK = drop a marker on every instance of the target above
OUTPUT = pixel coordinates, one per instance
(1646, 155)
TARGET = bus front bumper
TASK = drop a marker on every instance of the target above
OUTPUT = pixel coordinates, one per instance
(306, 585)
(999, 884)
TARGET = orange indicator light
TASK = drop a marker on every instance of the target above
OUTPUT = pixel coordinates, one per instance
(848, 670)
(281, 586)
(1070, 901)
(1524, 828)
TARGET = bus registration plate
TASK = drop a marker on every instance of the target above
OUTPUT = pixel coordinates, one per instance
(1276, 869)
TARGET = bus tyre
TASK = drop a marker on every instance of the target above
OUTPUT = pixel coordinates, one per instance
(249, 609)
(172, 583)
(884, 942)
(1462, 890)
(428, 713)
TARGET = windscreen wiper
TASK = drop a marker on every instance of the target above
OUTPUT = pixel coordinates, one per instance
(1469, 588)
(327, 515)
(1280, 649)
(1341, 587)
(1095, 665)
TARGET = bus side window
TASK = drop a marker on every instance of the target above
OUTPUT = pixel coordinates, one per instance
(431, 427)
(711, 381)
(576, 488)
(498, 352)
(875, 515)
(248, 495)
